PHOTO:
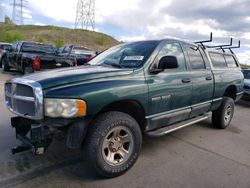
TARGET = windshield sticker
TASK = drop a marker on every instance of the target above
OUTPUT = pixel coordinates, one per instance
(133, 58)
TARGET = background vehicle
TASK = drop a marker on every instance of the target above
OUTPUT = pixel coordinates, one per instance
(3, 48)
(27, 57)
(246, 73)
(153, 87)
(81, 54)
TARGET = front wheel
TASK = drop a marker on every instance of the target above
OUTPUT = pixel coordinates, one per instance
(113, 143)
(222, 117)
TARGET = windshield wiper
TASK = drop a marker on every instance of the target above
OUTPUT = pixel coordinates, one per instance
(113, 64)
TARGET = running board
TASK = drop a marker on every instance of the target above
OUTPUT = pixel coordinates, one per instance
(177, 126)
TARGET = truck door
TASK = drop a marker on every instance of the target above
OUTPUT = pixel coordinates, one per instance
(170, 91)
(202, 80)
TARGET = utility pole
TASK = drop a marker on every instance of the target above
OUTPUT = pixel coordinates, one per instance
(17, 13)
(85, 14)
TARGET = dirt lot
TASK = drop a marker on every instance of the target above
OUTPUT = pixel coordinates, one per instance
(197, 156)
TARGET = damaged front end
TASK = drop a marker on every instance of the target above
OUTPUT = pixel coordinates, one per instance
(25, 98)
(32, 135)
(39, 135)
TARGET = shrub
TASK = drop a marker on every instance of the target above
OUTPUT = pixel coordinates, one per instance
(40, 40)
(102, 40)
(59, 43)
(13, 37)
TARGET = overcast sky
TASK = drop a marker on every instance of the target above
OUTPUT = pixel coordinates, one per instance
(128, 20)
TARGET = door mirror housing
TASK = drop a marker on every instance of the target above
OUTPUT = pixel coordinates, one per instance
(168, 62)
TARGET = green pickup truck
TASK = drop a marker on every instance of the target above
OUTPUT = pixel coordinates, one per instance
(147, 87)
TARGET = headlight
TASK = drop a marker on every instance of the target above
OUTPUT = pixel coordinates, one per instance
(66, 108)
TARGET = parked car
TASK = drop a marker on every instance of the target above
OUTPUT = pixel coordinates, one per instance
(28, 57)
(3, 48)
(81, 54)
(146, 87)
(246, 73)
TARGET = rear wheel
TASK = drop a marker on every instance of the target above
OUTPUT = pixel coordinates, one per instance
(5, 66)
(27, 70)
(113, 143)
(222, 117)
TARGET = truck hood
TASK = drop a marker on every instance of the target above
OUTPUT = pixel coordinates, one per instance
(59, 77)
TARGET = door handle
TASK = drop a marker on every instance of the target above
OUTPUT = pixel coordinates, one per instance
(186, 80)
(209, 78)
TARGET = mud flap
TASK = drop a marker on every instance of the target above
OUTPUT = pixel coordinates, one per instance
(76, 134)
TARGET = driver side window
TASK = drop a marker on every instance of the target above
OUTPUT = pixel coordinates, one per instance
(173, 49)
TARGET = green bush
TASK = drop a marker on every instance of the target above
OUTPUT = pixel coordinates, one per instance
(59, 43)
(102, 40)
(40, 40)
(13, 37)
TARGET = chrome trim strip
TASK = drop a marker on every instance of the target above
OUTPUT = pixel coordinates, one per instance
(181, 109)
(200, 104)
(37, 93)
(23, 98)
(185, 125)
(218, 99)
(165, 113)
(180, 112)
(240, 93)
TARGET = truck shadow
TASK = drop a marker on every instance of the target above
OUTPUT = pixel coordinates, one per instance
(244, 103)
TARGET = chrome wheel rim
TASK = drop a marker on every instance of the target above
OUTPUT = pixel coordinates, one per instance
(117, 146)
(228, 114)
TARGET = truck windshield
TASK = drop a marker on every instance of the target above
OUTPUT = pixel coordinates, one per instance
(128, 55)
(37, 48)
(246, 74)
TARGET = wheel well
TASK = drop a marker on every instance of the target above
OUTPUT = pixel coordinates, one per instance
(231, 92)
(131, 107)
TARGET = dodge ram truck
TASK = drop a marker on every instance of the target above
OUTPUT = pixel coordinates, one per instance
(28, 57)
(148, 87)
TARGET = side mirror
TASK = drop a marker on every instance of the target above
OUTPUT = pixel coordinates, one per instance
(168, 62)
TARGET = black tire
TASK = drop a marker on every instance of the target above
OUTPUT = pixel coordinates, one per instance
(101, 131)
(27, 70)
(222, 117)
(5, 66)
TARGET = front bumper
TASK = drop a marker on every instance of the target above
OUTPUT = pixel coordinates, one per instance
(39, 135)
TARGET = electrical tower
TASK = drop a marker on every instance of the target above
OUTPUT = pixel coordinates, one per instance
(85, 14)
(17, 14)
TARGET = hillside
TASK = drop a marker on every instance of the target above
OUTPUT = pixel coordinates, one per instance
(57, 36)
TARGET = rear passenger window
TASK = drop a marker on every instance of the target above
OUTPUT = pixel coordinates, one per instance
(218, 60)
(230, 61)
(196, 59)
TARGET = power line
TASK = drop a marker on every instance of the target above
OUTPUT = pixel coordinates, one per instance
(85, 14)
(17, 13)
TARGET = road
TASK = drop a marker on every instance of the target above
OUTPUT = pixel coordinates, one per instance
(197, 156)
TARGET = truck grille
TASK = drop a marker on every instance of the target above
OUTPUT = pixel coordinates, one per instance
(24, 98)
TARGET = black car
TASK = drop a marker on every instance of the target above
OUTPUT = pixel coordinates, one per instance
(81, 54)
(28, 57)
(3, 48)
